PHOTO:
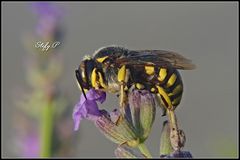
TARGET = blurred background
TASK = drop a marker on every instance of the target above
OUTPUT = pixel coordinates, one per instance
(205, 32)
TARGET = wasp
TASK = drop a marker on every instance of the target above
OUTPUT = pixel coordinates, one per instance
(117, 69)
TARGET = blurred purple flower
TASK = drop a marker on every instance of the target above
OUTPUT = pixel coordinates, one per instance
(45, 9)
(49, 16)
(115, 125)
(31, 146)
(88, 108)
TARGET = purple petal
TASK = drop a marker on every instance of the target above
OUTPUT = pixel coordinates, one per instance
(92, 110)
(49, 16)
(30, 145)
(88, 108)
(96, 95)
(44, 9)
(79, 113)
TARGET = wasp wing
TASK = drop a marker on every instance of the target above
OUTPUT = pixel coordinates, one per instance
(159, 58)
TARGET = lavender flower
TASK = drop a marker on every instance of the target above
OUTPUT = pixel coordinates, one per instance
(31, 146)
(45, 9)
(130, 129)
(105, 121)
(88, 108)
(44, 102)
(26, 142)
(121, 129)
(49, 16)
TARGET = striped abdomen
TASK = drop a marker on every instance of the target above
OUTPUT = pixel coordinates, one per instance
(171, 83)
(165, 81)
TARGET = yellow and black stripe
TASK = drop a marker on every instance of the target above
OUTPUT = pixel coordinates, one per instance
(165, 81)
(170, 86)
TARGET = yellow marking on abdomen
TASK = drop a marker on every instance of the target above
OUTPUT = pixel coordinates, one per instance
(102, 59)
(94, 78)
(122, 74)
(162, 74)
(171, 80)
(176, 90)
(165, 96)
(149, 70)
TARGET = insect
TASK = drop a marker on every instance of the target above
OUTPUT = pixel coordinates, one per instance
(116, 69)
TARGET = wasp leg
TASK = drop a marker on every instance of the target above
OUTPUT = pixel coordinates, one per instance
(123, 98)
(161, 104)
(164, 111)
(177, 137)
(123, 75)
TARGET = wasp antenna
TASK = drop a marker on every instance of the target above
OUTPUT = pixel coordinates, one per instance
(83, 92)
(79, 82)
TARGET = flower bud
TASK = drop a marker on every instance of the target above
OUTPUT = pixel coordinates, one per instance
(118, 131)
(142, 107)
(165, 143)
(166, 147)
(133, 127)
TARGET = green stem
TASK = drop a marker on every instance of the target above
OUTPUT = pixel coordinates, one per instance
(143, 149)
(46, 130)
